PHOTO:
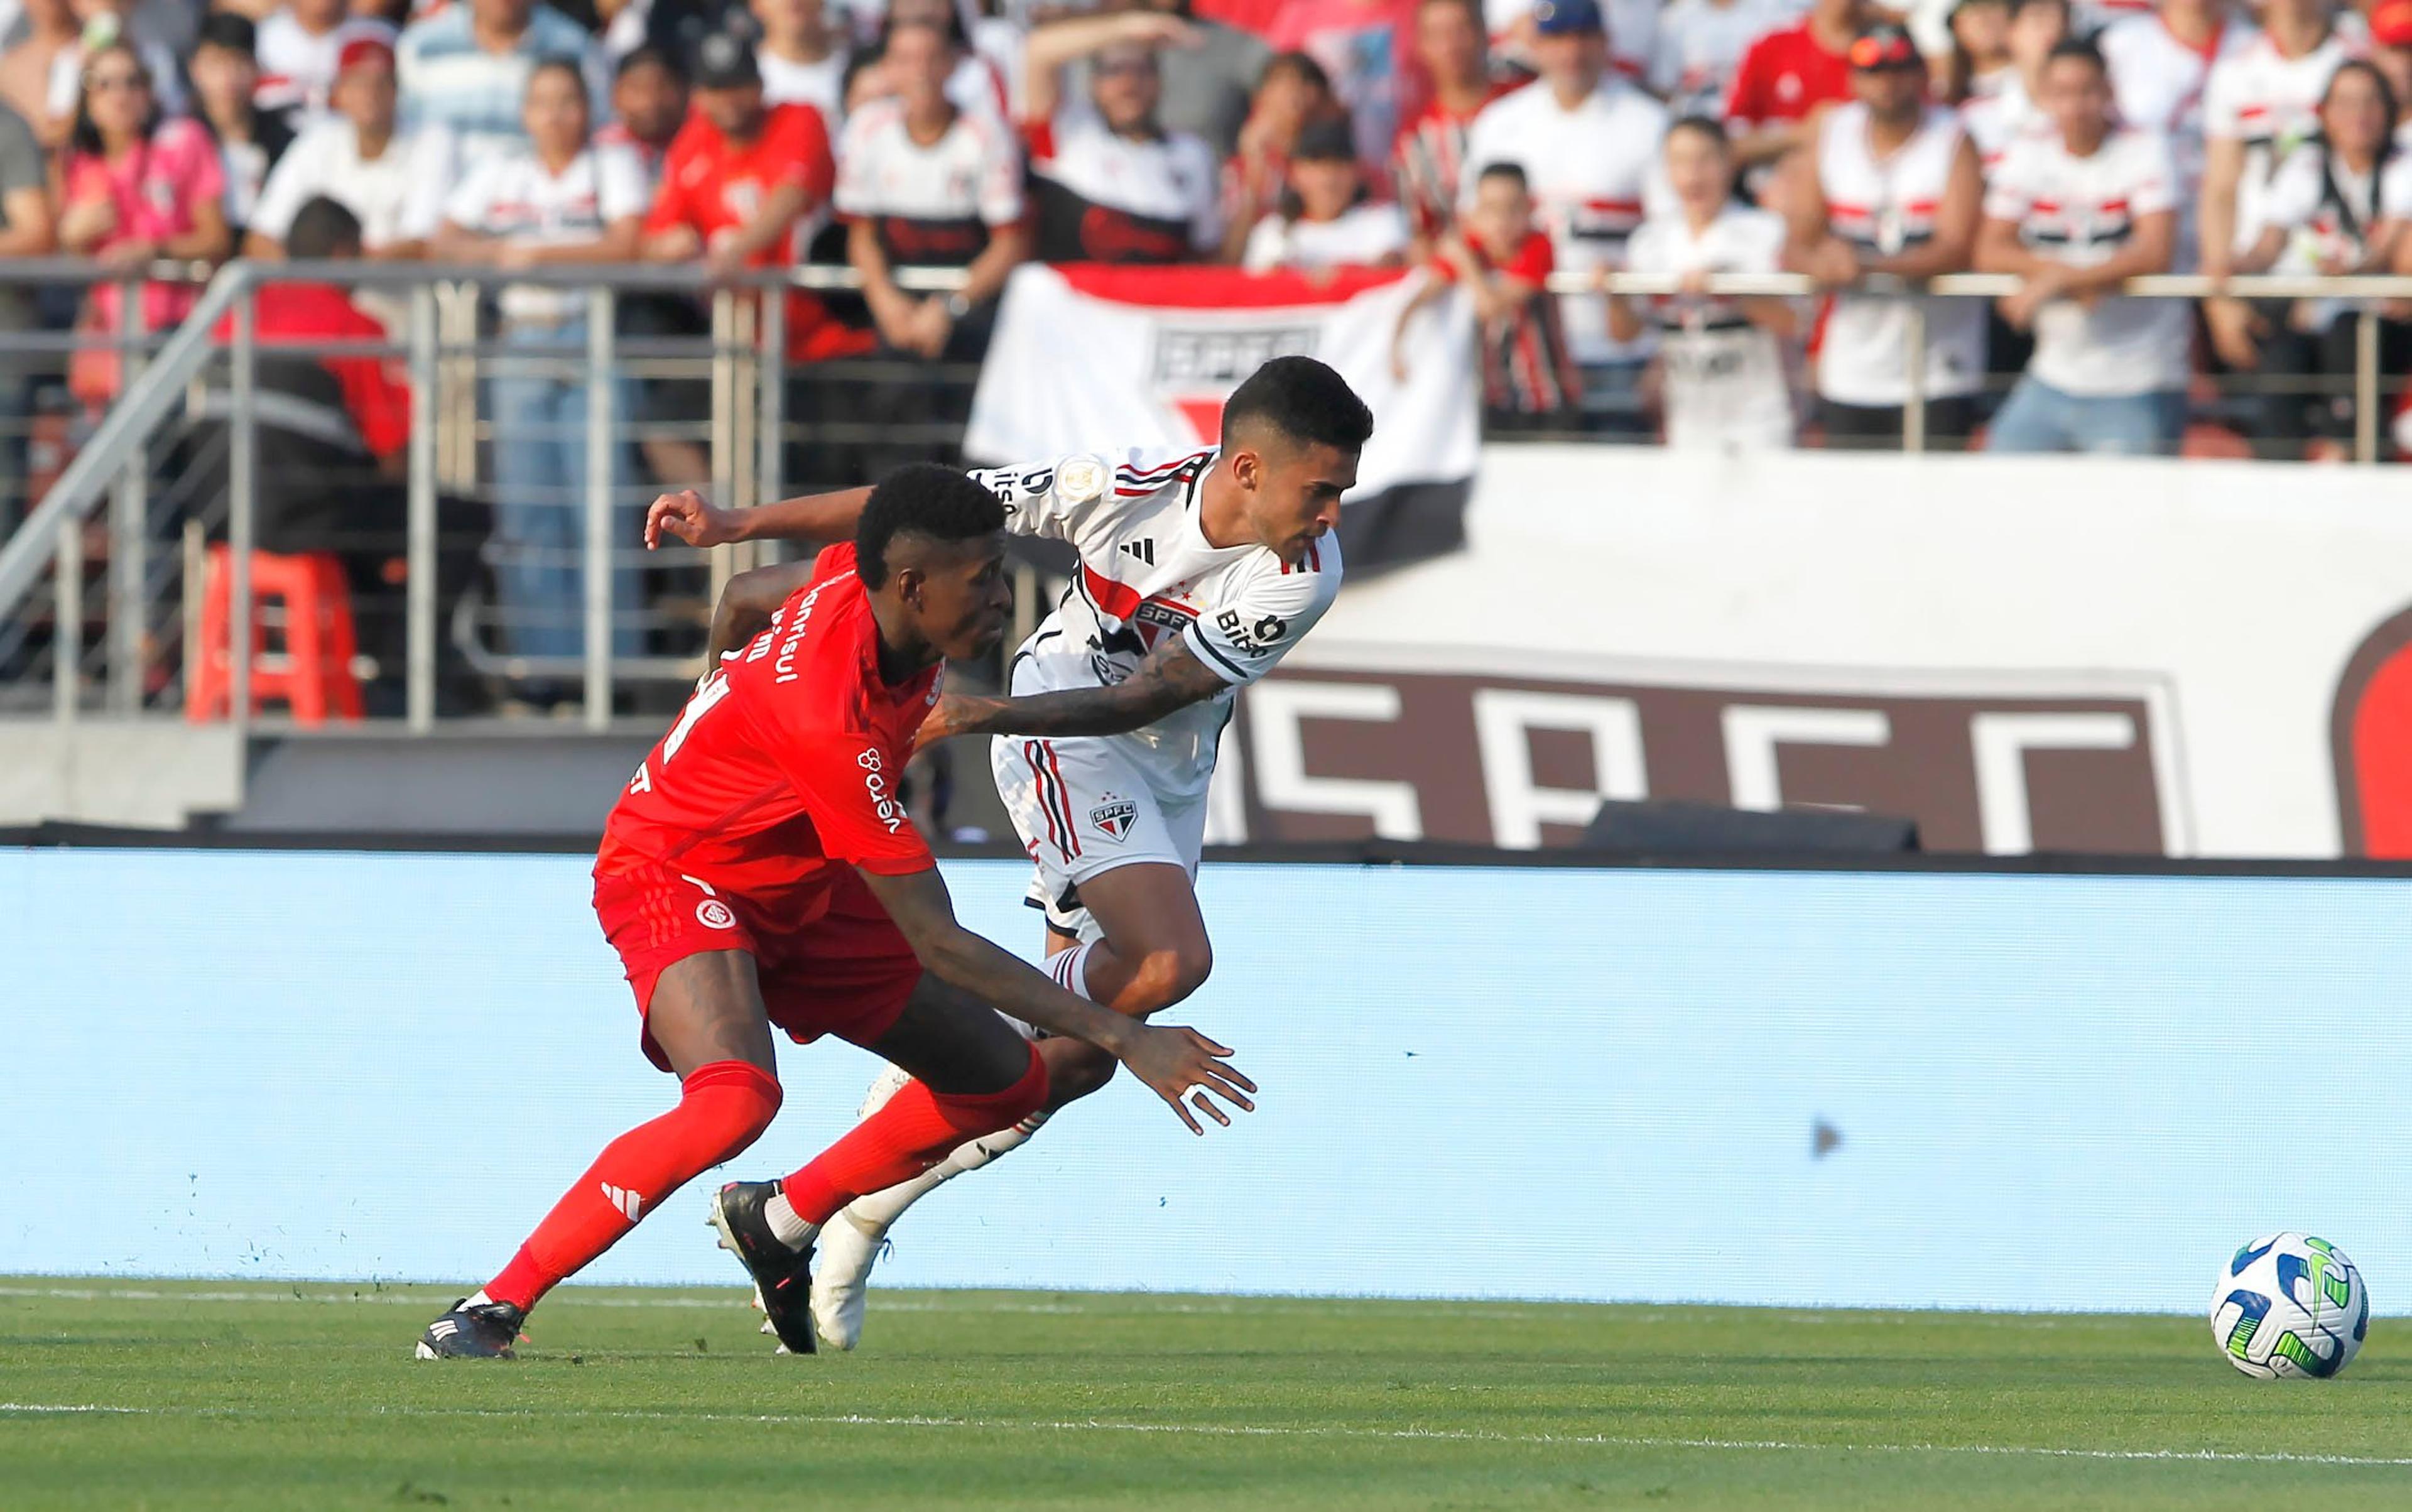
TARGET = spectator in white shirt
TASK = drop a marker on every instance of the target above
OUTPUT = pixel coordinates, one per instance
(298, 44)
(1588, 143)
(466, 67)
(557, 201)
(392, 181)
(922, 183)
(2074, 214)
(1699, 44)
(2337, 206)
(648, 108)
(2010, 112)
(1109, 182)
(1327, 219)
(1722, 369)
(2259, 104)
(803, 57)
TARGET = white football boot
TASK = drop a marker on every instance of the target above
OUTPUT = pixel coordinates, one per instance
(849, 1247)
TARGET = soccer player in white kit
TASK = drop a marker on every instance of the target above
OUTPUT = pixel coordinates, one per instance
(1198, 573)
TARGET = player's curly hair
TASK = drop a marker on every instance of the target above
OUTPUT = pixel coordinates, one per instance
(1302, 400)
(925, 499)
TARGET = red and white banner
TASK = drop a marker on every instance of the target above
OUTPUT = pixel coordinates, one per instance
(1087, 357)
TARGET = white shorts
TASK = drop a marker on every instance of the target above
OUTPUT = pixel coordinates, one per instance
(1082, 808)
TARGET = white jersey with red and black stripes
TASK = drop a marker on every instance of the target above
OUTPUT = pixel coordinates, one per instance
(1882, 206)
(1147, 572)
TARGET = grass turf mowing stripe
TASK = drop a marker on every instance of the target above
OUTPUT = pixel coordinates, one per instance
(1004, 1425)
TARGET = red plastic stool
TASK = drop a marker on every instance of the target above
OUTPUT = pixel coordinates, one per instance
(313, 673)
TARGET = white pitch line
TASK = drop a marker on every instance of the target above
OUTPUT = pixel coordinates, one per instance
(1461, 1435)
(1104, 1306)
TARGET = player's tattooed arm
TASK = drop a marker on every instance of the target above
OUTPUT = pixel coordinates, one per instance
(1179, 1065)
(1171, 678)
(747, 603)
(687, 516)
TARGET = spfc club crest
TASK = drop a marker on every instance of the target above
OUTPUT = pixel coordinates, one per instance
(1114, 816)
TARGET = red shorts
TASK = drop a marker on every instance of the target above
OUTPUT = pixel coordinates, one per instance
(829, 958)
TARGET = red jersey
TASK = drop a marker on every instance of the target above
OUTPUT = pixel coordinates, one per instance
(717, 188)
(783, 769)
(376, 391)
(1785, 76)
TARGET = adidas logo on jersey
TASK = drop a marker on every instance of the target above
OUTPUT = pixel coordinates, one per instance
(1143, 549)
(620, 1197)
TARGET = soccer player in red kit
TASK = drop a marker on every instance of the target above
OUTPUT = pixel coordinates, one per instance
(760, 870)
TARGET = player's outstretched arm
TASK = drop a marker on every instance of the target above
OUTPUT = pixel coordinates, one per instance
(747, 603)
(1176, 1063)
(1171, 678)
(687, 516)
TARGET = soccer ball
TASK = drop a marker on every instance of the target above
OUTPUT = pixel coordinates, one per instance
(2290, 1306)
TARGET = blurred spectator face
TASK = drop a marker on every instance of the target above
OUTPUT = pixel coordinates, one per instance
(1892, 92)
(1325, 187)
(2356, 116)
(1982, 29)
(1501, 216)
(117, 92)
(1125, 85)
(920, 60)
(1571, 63)
(508, 17)
(50, 16)
(2035, 30)
(554, 112)
(650, 101)
(1448, 40)
(224, 78)
(319, 16)
(1292, 93)
(365, 93)
(1841, 15)
(2077, 97)
(736, 114)
(1698, 168)
(788, 22)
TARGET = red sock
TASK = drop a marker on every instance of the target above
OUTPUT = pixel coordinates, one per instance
(912, 1132)
(724, 1107)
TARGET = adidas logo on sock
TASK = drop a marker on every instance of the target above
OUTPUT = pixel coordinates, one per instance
(620, 1197)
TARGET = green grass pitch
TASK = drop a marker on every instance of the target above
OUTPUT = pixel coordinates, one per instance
(122, 1393)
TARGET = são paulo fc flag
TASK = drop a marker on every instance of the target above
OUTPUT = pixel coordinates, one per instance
(1092, 358)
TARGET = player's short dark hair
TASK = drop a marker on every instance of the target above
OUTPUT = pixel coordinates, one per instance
(2082, 48)
(1512, 173)
(1302, 400)
(322, 228)
(924, 499)
(1701, 125)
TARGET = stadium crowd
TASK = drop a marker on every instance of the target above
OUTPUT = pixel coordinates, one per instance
(2069, 143)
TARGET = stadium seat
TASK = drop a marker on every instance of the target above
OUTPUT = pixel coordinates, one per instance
(312, 675)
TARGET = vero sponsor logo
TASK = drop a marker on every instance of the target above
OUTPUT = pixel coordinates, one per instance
(884, 804)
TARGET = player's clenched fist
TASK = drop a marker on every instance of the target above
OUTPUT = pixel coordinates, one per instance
(1179, 1063)
(688, 517)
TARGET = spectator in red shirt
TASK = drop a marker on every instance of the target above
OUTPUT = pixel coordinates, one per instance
(1787, 77)
(1430, 149)
(739, 181)
(1498, 251)
(332, 433)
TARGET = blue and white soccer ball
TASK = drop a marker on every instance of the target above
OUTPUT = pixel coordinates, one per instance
(2288, 1307)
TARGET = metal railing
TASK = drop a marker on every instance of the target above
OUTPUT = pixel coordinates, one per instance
(748, 423)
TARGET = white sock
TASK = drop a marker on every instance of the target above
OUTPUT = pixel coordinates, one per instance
(481, 1299)
(1070, 969)
(787, 1226)
(884, 1207)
